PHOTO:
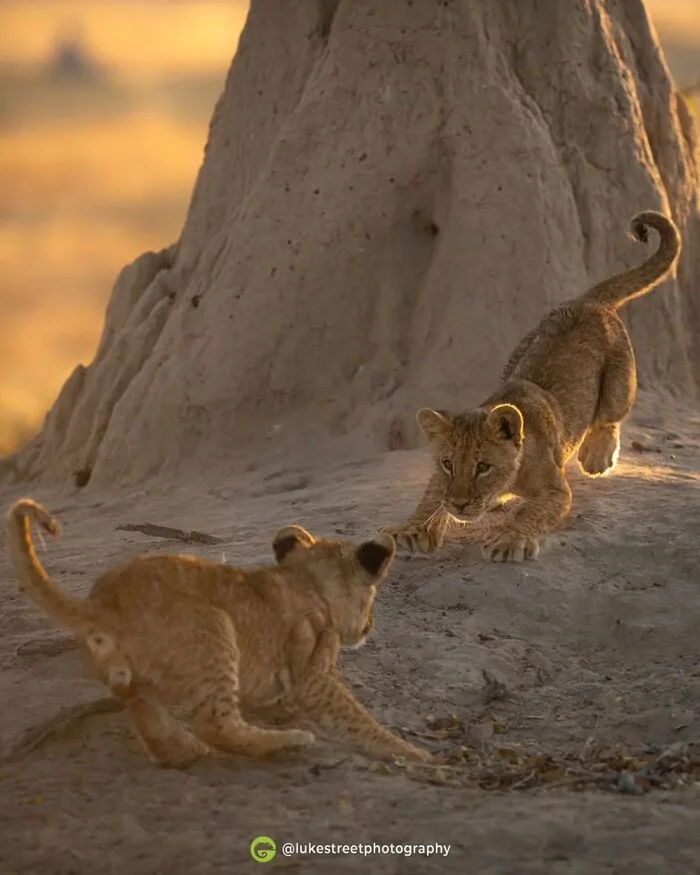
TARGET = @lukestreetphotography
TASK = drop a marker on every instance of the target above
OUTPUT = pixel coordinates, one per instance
(263, 849)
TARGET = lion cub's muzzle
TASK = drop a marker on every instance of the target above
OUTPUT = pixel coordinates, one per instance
(366, 629)
(464, 511)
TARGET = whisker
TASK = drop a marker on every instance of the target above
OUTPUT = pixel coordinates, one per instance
(428, 523)
(438, 519)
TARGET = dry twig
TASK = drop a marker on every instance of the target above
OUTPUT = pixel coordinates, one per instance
(172, 534)
(34, 736)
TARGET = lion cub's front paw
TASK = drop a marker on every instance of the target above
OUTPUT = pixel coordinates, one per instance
(407, 752)
(295, 738)
(420, 755)
(510, 547)
(416, 539)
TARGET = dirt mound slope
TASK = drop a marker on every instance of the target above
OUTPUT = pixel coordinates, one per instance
(391, 195)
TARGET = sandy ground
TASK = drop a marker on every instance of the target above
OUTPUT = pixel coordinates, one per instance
(597, 640)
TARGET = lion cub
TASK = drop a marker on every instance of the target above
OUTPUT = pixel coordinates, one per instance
(171, 632)
(565, 389)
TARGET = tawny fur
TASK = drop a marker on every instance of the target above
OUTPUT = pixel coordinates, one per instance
(174, 635)
(566, 389)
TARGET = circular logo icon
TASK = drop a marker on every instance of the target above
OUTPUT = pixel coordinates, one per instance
(263, 849)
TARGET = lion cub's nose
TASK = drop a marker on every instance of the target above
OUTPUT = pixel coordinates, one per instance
(459, 504)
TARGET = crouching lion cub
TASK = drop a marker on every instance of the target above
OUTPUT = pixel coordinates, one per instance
(565, 389)
(177, 633)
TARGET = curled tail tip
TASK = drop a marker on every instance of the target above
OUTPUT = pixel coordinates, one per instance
(27, 507)
(52, 527)
(638, 231)
(641, 223)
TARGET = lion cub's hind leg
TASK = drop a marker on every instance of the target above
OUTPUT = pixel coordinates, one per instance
(167, 741)
(600, 447)
(218, 721)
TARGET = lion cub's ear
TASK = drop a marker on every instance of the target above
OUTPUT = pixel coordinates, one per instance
(290, 538)
(507, 423)
(376, 556)
(434, 423)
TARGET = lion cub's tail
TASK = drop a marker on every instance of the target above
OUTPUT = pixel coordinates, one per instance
(62, 608)
(616, 291)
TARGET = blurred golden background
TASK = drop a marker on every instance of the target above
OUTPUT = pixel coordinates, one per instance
(104, 111)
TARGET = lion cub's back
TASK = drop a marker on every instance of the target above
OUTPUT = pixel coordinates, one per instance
(153, 586)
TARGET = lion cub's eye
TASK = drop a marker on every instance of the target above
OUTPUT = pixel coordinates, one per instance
(482, 468)
(447, 465)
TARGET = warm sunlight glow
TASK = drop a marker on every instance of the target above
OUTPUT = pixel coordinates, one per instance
(105, 191)
(135, 38)
(677, 19)
(646, 470)
(94, 172)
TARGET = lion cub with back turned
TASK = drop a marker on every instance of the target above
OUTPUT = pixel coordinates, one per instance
(565, 389)
(166, 632)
